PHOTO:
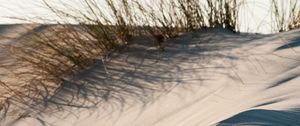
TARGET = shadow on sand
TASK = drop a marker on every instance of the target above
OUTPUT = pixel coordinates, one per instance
(292, 44)
(261, 117)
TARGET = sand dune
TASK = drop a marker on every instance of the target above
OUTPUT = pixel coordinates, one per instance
(212, 77)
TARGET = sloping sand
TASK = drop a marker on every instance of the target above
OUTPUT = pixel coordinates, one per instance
(212, 77)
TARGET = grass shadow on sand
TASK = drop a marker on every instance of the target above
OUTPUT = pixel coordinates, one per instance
(140, 73)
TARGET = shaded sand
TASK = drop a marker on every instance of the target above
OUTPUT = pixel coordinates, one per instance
(213, 77)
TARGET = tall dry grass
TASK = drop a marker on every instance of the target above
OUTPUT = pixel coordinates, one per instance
(285, 14)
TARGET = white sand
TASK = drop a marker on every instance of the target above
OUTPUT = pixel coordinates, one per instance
(210, 78)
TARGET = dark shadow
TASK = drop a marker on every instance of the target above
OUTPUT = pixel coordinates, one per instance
(6, 27)
(292, 44)
(269, 102)
(283, 81)
(261, 117)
